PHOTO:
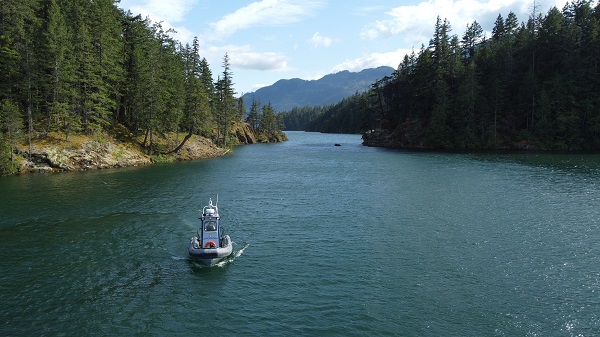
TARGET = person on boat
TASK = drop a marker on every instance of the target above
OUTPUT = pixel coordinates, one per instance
(210, 227)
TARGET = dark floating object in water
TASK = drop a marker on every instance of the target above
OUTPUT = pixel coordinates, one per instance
(337, 144)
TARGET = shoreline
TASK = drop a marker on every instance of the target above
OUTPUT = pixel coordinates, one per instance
(380, 138)
(52, 154)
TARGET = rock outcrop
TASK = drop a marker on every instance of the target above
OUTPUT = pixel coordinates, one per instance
(243, 133)
(380, 138)
(53, 154)
(92, 154)
(199, 148)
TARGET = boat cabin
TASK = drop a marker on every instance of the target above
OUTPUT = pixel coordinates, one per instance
(210, 231)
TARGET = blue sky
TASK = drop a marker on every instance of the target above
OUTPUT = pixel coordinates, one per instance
(269, 40)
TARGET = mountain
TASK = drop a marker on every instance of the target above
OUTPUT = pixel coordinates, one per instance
(330, 89)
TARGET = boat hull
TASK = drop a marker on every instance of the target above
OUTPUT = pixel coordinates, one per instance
(210, 256)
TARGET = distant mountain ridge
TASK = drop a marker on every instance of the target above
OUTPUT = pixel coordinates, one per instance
(330, 89)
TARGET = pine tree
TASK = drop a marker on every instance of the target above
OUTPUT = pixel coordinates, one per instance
(498, 31)
(268, 121)
(471, 38)
(465, 135)
(254, 115)
(19, 72)
(440, 44)
(241, 108)
(106, 31)
(511, 24)
(136, 36)
(11, 125)
(226, 110)
(155, 98)
(175, 79)
(55, 47)
(196, 106)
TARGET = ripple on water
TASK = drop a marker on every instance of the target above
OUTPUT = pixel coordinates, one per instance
(346, 240)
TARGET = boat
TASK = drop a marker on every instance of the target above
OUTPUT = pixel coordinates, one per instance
(210, 245)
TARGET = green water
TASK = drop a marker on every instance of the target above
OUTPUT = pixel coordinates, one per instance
(329, 241)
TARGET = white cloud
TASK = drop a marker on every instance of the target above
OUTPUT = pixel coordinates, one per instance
(373, 60)
(183, 35)
(415, 23)
(257, 86)
(168, 12)
(319, 40)
(264, 13)
(367, 10)
(171, 11)
(260, 61)
(243, 57)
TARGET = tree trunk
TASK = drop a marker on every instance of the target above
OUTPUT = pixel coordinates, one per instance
(29, 128)
(10, 141)
(151, 142)
(145, 138)
(176, 150)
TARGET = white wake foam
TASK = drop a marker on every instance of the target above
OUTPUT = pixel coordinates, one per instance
(233, 256)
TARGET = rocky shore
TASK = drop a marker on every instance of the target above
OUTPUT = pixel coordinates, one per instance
(90, 154)
(380, 138)
(56, 153)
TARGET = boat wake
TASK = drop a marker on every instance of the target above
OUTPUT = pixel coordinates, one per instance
(241, 250)
(234, 255)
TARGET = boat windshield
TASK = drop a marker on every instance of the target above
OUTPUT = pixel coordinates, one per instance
(210, 226)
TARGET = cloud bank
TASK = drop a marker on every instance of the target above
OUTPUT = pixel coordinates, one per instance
(243, 57)
(373, 60)
(264, 13)
(168, 12)
(159, 10)
(415, 23)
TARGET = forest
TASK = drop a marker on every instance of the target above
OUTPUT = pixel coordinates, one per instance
(532, 85)
(86, 66)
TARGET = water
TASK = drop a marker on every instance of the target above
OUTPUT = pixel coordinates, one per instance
(329, 241)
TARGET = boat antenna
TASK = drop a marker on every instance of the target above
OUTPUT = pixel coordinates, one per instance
(217, 204)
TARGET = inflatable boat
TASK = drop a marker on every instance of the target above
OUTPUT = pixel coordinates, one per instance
(210, 245)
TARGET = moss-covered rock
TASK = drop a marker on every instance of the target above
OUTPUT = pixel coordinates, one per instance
(243, 133)
(271, 137)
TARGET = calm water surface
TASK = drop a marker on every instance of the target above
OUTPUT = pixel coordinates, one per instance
(329, 241)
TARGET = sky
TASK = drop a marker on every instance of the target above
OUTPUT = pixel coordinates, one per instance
(269, 40)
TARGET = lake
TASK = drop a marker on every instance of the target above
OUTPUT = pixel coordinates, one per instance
(329, 241)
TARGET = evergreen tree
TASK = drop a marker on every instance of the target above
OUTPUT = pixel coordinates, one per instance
(268, 120)
(511, 24)
(11, 126)
(196, 107)
(471, 38)
(254, 115)
(137, 36)
(172, 68)
(56, 41)
(464, 124)
(226, 110)
(206, 78)
(107, 39)
(241, 108)
(498, 31)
